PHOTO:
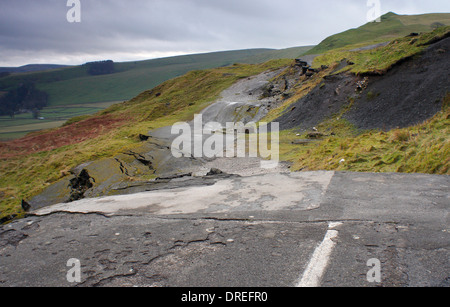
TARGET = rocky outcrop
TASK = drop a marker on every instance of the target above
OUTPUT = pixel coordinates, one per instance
(306, 69)
(214, 171)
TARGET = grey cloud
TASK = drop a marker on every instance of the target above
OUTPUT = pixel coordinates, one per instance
(124, 28)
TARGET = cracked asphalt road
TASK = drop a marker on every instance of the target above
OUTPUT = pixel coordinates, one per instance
(257, 231)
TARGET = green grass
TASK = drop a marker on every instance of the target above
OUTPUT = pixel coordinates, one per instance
(22, 124)
(424, 148)
(288, 53)
(392, 26)
(381, 59)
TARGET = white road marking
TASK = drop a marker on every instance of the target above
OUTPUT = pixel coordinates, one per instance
(319, 260)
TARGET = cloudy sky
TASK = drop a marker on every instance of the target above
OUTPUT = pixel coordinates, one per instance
(127, 30)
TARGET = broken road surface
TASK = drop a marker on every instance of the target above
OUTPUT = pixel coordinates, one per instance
(274, 230)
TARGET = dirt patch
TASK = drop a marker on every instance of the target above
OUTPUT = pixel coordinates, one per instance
(49, 140)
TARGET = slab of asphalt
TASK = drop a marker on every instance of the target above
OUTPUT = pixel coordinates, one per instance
(267, 230)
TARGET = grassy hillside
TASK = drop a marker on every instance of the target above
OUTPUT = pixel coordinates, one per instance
(288, 53)
(391, 26)
(423, 148)
(32, 68)
(29, 165)
(379, 60)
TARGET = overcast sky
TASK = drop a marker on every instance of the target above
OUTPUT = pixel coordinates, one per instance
(126, 30)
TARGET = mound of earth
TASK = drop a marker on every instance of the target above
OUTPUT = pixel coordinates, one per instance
(410, 93)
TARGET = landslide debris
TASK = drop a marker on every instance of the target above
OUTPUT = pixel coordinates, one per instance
(409, 93)
(79, 185)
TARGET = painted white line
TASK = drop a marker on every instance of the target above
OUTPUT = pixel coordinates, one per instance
(319, 261)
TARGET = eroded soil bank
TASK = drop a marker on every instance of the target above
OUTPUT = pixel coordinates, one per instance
(408, 94)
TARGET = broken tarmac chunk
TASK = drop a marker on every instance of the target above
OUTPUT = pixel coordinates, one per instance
(173, 176)
(25, 206)
(300, 62)
(79, 185)
(143, 138)
(214, 171)
(302, 142)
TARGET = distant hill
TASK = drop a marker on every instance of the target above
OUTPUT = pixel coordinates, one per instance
(288, 53)
(32, 68)
(74, 85)
(390, 27)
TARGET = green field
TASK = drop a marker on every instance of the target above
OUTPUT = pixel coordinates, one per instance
(22, 124)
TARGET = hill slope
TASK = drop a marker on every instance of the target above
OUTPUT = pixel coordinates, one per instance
(75, 86)
(32, 68)
(111, 139)
(391, 26)
(391, 115)
(48, 156)
(288, 53)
